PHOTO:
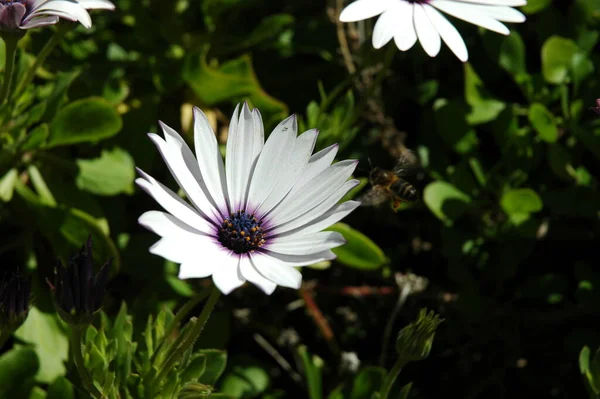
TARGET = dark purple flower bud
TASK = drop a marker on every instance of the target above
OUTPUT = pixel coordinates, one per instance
(15, 290)
(596, 109)
(78, 292)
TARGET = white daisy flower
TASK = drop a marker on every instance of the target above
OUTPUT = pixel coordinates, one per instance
(258, 216)
(408, 20)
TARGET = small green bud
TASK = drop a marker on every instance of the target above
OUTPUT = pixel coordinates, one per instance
(415, 340)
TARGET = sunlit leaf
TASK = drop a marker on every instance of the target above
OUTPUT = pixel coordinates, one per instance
(359, 251)
(111, 174)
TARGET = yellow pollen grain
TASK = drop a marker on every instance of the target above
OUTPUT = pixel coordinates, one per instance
(242, 233)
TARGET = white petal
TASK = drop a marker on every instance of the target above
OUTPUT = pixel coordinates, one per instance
(251, 274)
(279, 261)
(210, 161)
(386, 26)
(505, 14)
(272, 162)
(241, 156)
(276, 271)
(227, 276)
(334, 215)
(165, 225)
(316, 211)
(466, 13)
(40, 21)
(173, 204)
(448, 33)
(406, 36)
(96, 4)
(364, 9)
(197, 268)
(185, 172)
(511, 3)
(295, 164)
(307, 244)
(318, 190)
(428, 36)
(317, 164)
(182, 250)
(65, 9)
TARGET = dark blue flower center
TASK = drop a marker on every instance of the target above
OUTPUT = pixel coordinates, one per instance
(241, 232)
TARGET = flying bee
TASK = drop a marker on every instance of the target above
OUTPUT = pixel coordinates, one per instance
(390, 185)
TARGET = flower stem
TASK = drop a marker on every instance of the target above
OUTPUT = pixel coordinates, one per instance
(86, 379)
(190, 337)
(9, 66)
(391, 378)
(60, 33)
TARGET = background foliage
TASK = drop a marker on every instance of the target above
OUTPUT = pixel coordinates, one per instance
(506, 233)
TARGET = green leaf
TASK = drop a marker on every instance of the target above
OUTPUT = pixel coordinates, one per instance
(512, 54)
(17, 367)
(232, 81)
(90, 119)
(534, 6)
(445, 201)
(452, 126)
(557, 56)
(7, 185)
(49, 341)
(111, 174)
(246, 379)
(520, 203)
(359, 252)
(367, 381)
(484, 107)
(36, 138)
(543, 122)
(312, 371)
(62, 84)
(61, 388)
(216, 361)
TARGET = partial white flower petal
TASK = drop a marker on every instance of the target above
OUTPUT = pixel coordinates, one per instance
(322, 187)
(240, 157)
(405, 36)
(290, 261)
(165, 225)
(280, 273)
(317, 164)
(96, 4)
(196, 268)
(504, 14)
(295, 164)
(311, 226)
(448, 33)
(227, 276)
(364, 9)
(66, 9)
(306, 244)
(272, 162)
(428, 36)
(385, 27)
(251, 274)
(173, 204)
(510, 3)
(210, 161)
(319, 209)
(186, 174)
(40, 21)
(466, 13)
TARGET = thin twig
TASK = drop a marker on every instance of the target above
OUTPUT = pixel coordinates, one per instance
(270, 349)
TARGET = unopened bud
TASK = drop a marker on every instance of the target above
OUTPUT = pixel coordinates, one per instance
(415, 340)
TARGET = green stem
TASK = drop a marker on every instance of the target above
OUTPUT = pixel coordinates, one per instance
(60, 33)
(191, 337)
(86, 379)
(183, 312)
(391, 378)
(9, 66)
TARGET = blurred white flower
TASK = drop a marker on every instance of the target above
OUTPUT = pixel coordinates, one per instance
(408, 20)
(256, 217)
(27, 14)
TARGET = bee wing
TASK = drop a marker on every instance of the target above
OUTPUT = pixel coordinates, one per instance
(375, 196)
(407, 163)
